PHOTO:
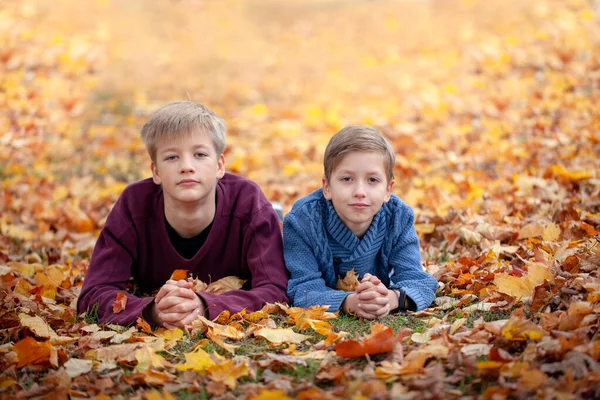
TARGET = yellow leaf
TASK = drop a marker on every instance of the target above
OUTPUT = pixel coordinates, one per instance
(524, 286)
(531, 230)
(147, 358)
(199, 361)
(551, 232)
(425, 228)
(43, 330)
(520, 329)
(156, 395)
(229, 373)
(279, 336)
(170, 334)
(301, 316)
(325, 329)
(270, 394)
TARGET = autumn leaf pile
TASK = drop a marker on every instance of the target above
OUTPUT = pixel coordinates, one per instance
(492, 108)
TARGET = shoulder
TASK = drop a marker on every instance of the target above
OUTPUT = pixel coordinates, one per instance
(398, 212)
(312, 205)
(240, 196)
(139, 198)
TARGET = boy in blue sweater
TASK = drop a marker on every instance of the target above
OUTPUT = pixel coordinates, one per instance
(356, 222)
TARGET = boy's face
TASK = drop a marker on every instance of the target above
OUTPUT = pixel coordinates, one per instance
(358, 188)
(188, 168)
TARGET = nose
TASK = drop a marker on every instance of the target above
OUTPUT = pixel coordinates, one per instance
(359, 190)
(186, 165)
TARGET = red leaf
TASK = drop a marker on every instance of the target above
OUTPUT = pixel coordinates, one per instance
(120, 302)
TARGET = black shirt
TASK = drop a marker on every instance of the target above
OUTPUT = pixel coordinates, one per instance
(187, 247)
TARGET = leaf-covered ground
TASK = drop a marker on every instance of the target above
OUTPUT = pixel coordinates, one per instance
(492, 107)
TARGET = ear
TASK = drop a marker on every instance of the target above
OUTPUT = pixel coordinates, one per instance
(155, 176)
(326, 189)
(221, 166)
(388, 191)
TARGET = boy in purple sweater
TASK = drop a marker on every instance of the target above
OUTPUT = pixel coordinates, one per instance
(190, 215)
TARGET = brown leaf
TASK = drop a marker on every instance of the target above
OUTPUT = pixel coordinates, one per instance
(143, 325)
(120, 302)
(349, 283)
(226, 284)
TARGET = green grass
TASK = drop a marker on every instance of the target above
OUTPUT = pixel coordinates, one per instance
(488, 316)
(91, 316)
(302, 372)
(359, 326)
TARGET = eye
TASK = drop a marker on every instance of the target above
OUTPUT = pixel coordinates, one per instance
(373, 180)
(170, 158)
(345, 179)
(200, 155)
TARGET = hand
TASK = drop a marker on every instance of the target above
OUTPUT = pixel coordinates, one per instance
(176, 305)
(374, 299)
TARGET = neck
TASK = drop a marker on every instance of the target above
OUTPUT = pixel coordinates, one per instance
(189, 219)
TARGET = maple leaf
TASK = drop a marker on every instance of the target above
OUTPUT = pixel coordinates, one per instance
(120, 302)
(228, 373)
(519, 329)
(143, 325)
(349, 283)
(524, 286)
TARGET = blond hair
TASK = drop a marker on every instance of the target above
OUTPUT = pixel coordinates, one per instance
(358, 138)
(179, 118)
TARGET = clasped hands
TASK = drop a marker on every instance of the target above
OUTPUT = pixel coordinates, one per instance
(176, 305)
(371, 299)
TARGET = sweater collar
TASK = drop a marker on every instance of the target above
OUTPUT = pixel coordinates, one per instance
(345, 237)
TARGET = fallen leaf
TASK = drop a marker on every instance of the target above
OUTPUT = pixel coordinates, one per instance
(119, 303)
(281, 335)
(524, 286)
(380, 341)
(349, 283)
(551, 232)
(228, 372)
(226, 284)
(179, 275)
(75, 367)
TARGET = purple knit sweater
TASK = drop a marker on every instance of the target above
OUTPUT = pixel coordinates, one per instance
(245, 241)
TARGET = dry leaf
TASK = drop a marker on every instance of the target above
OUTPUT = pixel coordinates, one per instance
(226, 284)
(120, 302)
(349, 283)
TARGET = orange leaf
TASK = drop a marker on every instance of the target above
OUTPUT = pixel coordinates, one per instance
(143, 325)
(380, 341)
(179, 274)
(31, 351)
(302, 316)
(120, 302)
(349, 283)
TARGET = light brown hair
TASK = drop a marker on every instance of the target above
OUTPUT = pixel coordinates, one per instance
(179, 118)
(358, 138)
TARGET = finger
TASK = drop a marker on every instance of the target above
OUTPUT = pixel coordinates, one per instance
(375, 280)
(169, 326)
(177, 305)
(191, 317)
(164, 290)
(183, 293)
(367, 277)
(184, 284)
(364, 286)
(382, 289)
(370, 307)
(172, 318)
(382, 312)
(368, 295)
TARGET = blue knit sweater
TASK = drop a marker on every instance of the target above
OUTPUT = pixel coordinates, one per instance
(318, 247)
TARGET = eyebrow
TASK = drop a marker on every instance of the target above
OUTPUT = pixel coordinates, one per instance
(175, 149)
(347, 171)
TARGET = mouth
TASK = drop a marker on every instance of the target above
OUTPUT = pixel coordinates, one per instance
(359, 205)
(186, 182)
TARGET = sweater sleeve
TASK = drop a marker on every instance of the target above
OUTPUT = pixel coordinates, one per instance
(405, 260)
(109, 270)
(306, 286)
(267, 270)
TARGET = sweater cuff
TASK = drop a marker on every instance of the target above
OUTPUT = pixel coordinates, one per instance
(415, 295)
(335, 300)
